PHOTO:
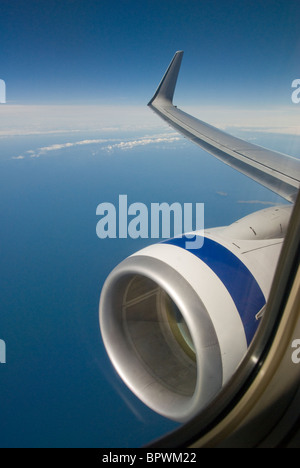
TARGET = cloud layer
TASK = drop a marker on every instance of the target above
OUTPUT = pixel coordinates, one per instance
(114, 144)
(156, 139)
(46, 120)
(16, 120)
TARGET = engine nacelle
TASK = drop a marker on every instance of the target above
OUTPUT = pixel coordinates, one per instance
(176, 323)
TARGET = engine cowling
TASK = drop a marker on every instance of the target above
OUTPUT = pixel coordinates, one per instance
(176, 323)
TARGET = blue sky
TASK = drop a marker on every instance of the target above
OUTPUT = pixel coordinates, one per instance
(114, 52)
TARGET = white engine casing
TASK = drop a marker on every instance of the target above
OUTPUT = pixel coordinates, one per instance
(176, 323)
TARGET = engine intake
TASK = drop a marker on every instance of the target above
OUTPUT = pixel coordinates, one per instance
(160, 338)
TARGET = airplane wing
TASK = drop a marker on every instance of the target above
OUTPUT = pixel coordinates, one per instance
(276, 171)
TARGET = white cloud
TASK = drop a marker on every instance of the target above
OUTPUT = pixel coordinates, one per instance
(40, 151)
(114, 144)
(127, 145)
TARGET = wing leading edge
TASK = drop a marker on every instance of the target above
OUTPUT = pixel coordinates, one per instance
(276, 171)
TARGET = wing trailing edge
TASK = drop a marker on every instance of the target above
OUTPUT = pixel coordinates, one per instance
(276, 171)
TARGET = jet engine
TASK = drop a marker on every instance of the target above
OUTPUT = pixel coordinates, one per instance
(176, 322)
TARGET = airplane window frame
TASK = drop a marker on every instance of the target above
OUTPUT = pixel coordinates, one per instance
(236, 388)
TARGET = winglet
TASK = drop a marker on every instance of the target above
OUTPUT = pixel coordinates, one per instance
(165, 91)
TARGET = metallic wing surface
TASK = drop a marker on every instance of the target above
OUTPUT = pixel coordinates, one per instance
(276, 171)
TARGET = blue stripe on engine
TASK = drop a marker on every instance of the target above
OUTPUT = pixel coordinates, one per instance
(239, 281)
